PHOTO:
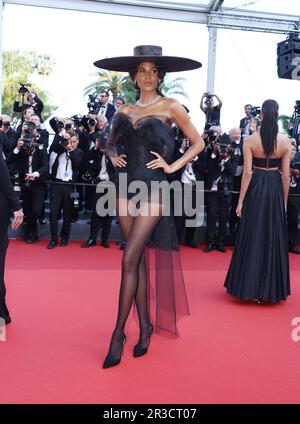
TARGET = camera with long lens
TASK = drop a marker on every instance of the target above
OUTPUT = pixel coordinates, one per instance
(94, 104)
(91, 122)
(223, 149)
(295, 165)
(60, 125)
(212, 135)
(255, 111)
(27, 142)
(77, 119)
(30, 127)
(68, 127)
(23, 90)
(64, 142)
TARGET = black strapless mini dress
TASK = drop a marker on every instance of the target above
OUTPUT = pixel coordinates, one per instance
(167, 293)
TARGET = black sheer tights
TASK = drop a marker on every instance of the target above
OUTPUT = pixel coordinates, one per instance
(136, 232)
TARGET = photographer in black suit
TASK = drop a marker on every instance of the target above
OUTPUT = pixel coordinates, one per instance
(212, 113)
(28, 99)
(8, 202)
(64, 170)
(9, 135)
(30, 160)
(107, 109)
(100, 168)
(188, 176)
(221, 167)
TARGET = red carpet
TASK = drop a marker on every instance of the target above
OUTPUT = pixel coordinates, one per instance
(63, 305)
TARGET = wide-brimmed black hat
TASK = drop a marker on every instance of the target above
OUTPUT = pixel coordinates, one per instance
(148, 54)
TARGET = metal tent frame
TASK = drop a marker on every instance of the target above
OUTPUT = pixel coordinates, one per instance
(214, 14)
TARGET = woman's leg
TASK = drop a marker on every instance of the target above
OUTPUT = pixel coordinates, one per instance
(136, 231)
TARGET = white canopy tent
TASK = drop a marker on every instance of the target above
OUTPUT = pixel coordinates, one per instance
(215, 14)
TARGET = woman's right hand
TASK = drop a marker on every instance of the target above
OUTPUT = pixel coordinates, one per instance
(119, 161)
(18, 219)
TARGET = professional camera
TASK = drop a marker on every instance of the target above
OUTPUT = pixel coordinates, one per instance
(77, 119)
(255, 110)
(27, 142)
(64, 142)
(295, 165)
(223, 149)
(212, 135)
(60, 125)
(30, 127)
(92, 122)
(94, 104)
(23, 90)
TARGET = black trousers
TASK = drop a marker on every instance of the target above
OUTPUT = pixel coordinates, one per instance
(217, 207)
(180, 221)
(99, 221)
(4, 221)
(33, 203)
(293, 209)
(234, 220)
(60, 200)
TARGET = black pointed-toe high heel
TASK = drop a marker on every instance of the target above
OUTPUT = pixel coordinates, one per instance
(111, 361)
(138, 350)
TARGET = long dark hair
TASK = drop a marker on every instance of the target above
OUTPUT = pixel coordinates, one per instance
(161, 74)
(269, 126)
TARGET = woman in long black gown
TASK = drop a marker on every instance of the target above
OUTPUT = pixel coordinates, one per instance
(259, 268)
(143, 132)
(8, 203)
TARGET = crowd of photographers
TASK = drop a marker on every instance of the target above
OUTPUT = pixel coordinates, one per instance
(68, 170)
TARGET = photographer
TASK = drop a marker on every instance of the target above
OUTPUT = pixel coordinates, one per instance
(64, 170)
(188, 175)
(119, 102)
(40, 133)
(9, 136)
(234, 139)
(106, 108)
(294, 124)
(100, 168)
(221, 167)
(212, 113)
(28, 99)
(31, 163)
(59, 124)
(293, 205)
(248, 124)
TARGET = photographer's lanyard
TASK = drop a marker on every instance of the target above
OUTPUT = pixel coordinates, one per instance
(66, 174)
(30, 164)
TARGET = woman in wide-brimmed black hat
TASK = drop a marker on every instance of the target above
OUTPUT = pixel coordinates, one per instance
(141, 146)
